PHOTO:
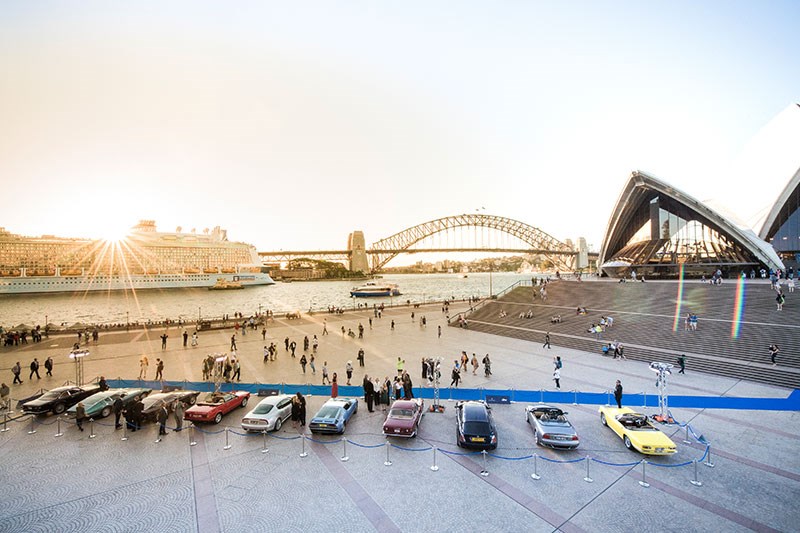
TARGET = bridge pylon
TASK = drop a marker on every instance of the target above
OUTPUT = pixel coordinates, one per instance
(358, 252)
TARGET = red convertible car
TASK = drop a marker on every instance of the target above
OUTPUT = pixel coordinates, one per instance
(214, 405)
(403, 418)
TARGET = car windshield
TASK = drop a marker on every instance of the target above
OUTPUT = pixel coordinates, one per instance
(263, 408)
(52, 395)
(328, 412)
(477, 428)
(213, 398)
(400, 413)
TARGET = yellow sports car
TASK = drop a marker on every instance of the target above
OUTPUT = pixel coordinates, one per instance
(636, 431)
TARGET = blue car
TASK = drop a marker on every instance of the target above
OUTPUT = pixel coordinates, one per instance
(333, 416)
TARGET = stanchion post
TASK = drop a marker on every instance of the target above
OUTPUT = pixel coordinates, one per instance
(484, 472)
(345, 458)
(588, 478)
(644, 482)
(91, 428)
(387, 462)
(227, 443)
(535, 474)
(265, 449)
(434, 467)
(125, 431)
(709, 463)
(608, 397)
(58, 427)
(575, 397)
(541, 395)
(32, 430)
(644, 400)
(696, 482)
(686, 437)
(192, 441)
(5, 423)
(303, 440)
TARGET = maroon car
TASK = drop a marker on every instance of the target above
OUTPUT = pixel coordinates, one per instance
(212, 406)
(403, 418)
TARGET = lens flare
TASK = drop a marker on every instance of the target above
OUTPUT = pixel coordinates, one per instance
(678, 301)
(738, 308)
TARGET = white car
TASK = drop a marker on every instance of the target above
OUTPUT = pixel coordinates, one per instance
(269, 414)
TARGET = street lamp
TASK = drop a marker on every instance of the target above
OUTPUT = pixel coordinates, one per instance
(199, 316)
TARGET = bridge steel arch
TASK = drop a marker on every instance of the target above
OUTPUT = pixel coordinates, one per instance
(385, 250)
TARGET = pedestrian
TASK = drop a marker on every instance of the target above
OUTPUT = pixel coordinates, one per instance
(780, 299)
(4, 396)
(118, 407)
(164, 341)
(487, 366)
(325, 373)
(475, 365)
(292, 347)
(178, 411)
(349, 370)
(237, 371)
(324, 326)
(162, 417)
(400, 366)
(682, 363)
(546, 340)
(34, 369)
(334, 386)
(314, 344)
(464, 361)
(102, 384)
(557, 362)
(303, 362)
(369, 392)
(80, 414)
(16, 369)
(773, 352)
(266, 354)
(360, 357)
(233, 342)
(264, 334)
(392, 325)
(455, 375)
(159, 369)
(301, 409)
(194, 339)
(311, 364)
(48, 365)
(370, 321)
(618, 394)
(398, 388)
(557, 377)
(439, 330)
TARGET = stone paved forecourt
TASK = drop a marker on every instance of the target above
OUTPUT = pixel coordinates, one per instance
(77, 483)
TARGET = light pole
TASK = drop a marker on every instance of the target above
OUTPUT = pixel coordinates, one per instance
(490, 283)
(199, 315)
(127, 320)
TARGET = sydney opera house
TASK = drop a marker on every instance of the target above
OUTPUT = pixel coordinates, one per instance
(753, 223)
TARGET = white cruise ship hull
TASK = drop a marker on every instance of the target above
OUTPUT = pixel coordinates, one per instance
(47, 284)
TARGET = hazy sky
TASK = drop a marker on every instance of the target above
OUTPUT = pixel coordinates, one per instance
(293, 123)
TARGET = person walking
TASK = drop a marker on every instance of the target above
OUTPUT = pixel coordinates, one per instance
(185, 337)
(164, 341)
(162, 416)
(177, 414)
(334, 386)
(5, 393)
(233, 342)
(439, 331)
(143, 364)
(293, 347)
(325, 373)
(400, 366)
(618, 394)
(80, 415)
(237, 370)
(324, 326)
(301, 409)
(682, 363)
(194, 339)
(34, 369)
(360, 357)
(773, 352)
(475, 365)
(348, 368)
(557, 377)
(48, 365)
(546, 340)
(557, 362)
(159, 369)
(16, 370)
(311, 364)
(487, 366)
(455, 375)
(118, 407)
(303, 362)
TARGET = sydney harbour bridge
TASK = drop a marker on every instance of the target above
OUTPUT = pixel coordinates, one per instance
(459, 233)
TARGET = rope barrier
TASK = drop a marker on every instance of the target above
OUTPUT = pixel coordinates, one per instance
(458, 453)
(366, 445)
(324, 441)
(284, 438)
(510, 458)
(564, 461)
(613, 464)
(209, 432)
(410, 449)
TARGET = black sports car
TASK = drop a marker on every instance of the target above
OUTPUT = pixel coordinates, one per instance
(475, 426)
(154, 402)
(59, 399)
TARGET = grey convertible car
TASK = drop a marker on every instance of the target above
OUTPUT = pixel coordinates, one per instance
(551, 427)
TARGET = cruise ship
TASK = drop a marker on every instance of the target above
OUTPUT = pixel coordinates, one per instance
(144, 259)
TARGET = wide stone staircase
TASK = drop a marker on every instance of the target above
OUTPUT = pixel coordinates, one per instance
(736, 324)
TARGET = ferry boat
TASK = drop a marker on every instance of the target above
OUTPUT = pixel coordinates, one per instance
(144, 259)
(371, 288)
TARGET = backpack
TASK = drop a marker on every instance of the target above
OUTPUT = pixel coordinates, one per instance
(559, 364)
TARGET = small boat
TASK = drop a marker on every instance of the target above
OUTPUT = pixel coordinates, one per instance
(223, 284)
(374, 289)
(209, 270)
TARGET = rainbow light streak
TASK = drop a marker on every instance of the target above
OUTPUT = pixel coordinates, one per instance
(679, 301)
(738, 307)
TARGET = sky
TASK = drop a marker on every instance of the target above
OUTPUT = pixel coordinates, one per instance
(291, 124)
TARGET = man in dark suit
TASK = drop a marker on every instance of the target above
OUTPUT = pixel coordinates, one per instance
(118, 407)
(163, 414)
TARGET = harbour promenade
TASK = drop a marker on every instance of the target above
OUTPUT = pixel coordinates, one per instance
(263, 483)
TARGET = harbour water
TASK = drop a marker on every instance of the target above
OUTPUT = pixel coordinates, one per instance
(119, 307)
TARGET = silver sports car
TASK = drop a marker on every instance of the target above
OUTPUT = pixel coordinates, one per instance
(551, 427)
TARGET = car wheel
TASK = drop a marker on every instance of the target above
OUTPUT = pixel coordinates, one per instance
(244, 401)
(603, 419)
(627, 442)
(59, 408)
(218, 418)
(278, 424)
(105, 412)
